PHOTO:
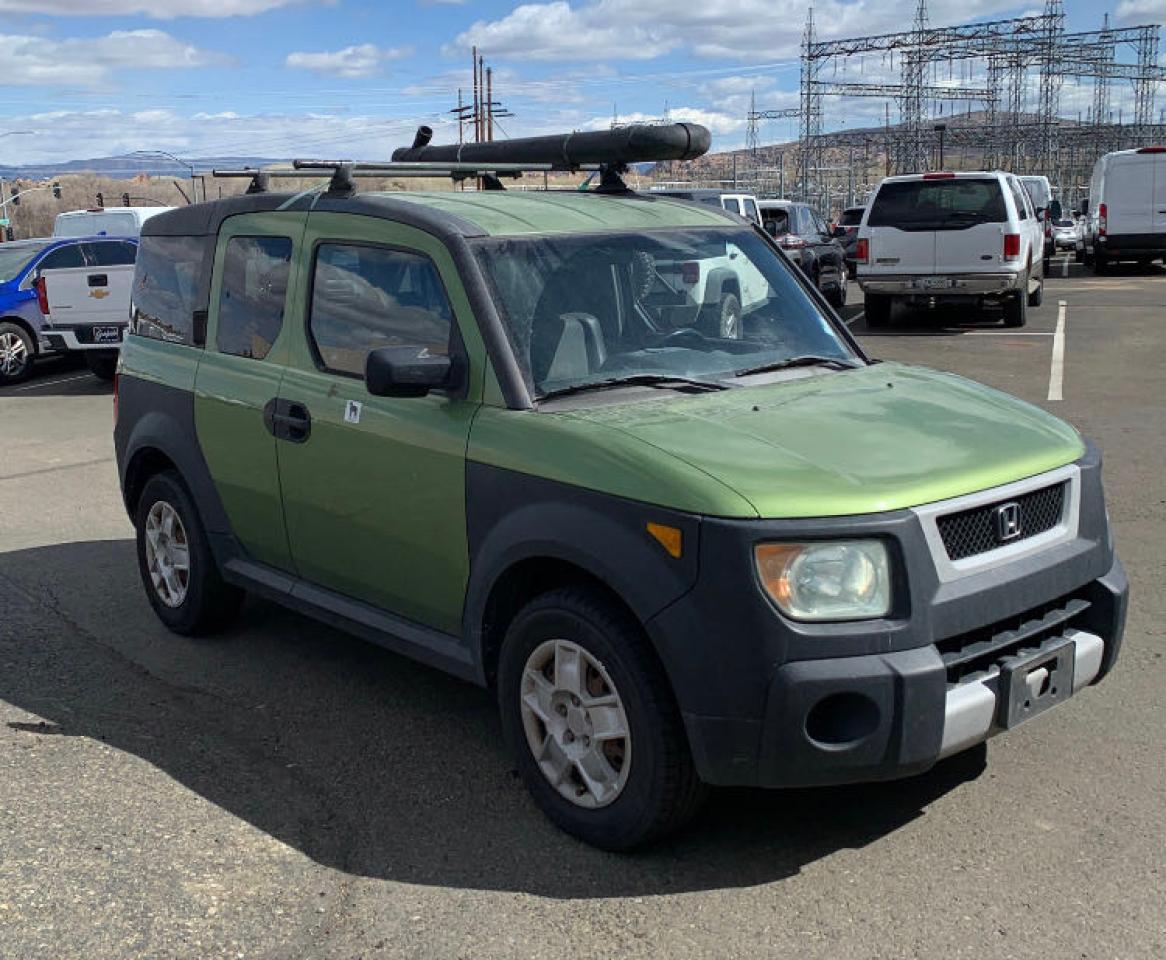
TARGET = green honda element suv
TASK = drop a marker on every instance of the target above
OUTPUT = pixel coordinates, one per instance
(611, 456)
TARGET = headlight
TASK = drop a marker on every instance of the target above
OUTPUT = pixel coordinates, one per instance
(831, 580)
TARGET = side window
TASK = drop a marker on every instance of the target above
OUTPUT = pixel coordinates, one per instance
(113, 253)
(820, 226)
(751, 211)
(369, 297)
(166, 287)
(251, 304)
(1020, 198)
(63, 257)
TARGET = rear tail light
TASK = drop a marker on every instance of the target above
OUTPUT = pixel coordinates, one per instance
(1012, 246)
(42, 296)
(862, 250)
(1102, 220)
(690, 272)
(1154, 149)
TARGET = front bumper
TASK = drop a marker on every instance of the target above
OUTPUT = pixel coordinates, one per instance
(768, 702)
(942, 284)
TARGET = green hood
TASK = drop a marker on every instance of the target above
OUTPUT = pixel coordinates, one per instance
(881, 438)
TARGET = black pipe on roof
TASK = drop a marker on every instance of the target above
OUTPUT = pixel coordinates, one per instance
(567, 151)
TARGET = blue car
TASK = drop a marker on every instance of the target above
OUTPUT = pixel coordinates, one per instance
(21, 319)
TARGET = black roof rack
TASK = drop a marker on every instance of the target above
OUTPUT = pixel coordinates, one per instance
(608, 152)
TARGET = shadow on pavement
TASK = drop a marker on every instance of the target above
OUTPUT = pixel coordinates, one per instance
(58, 376)
(363, 760)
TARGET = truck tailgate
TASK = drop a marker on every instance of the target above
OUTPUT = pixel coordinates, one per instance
(88, 295)
(895, 251)
(975, 249)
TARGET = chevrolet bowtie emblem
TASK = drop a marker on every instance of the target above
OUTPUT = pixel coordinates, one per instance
(99, 294)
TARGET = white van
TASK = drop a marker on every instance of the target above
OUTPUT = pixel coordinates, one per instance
(1126, 210)
(934, 237)
(104, 222)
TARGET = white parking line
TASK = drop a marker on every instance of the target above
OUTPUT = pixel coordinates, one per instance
(49, 383)
(1057, 367)
(858, 316)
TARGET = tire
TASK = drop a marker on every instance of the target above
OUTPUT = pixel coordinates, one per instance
(201, 604)
(1100, 264)
(729, 319)
(1036, 298)
(1016, 310)
(101, 365)
(837, 296)
(643, 785)
(877, 308)
(17, 351)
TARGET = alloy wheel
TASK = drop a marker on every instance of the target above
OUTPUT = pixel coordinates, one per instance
(167, 554)
(13, 354)
(575, 724)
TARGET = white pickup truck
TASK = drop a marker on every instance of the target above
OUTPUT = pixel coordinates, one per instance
(86, 309)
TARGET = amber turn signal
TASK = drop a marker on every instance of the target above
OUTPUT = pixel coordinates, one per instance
(670, 538)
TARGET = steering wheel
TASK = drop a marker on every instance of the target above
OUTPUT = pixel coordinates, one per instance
(683, 335)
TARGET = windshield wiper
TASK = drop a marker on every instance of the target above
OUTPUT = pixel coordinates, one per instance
(635, 380)
(807, 360)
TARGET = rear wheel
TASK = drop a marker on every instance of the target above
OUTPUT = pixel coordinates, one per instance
(177, 568)
(877, 308)
(102, 365)
(1100, 264)
(729, 326)
(1016, 310)
(16, 353)
(1037, 296)
(592, 723)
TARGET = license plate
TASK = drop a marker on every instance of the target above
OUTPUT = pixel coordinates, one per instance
(1031, 683)
(934, 283)
(107, 334)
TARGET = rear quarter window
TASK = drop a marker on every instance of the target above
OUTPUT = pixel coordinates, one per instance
(167, 281)
(938, 204)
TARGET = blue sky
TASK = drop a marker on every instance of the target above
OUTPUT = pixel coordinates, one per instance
(354, 77)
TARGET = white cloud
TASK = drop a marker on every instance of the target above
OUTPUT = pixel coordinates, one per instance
(1141, 11)
(363, 60)
(156, 9)
(558, 31)
(38, 61)
(645, 29)
(718, 123)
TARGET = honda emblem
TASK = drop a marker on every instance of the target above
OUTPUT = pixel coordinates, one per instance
(1006, 519)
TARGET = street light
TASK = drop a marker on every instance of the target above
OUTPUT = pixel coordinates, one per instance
(162, 153)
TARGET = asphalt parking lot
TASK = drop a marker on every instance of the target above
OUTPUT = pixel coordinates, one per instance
(288, 791)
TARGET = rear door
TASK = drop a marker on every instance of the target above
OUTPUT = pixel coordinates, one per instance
(1130, 195)
(252, 290)
(900, 228)
(974, 219)
(1159, 205)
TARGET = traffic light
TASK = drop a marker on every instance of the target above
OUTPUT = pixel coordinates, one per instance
(101, 199)
(125, 199)
(56, 190)
(15, 195)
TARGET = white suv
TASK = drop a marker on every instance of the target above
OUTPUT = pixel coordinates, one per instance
(935, 237)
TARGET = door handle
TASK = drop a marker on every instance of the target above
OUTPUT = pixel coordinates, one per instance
(287, 420)
(98, 280)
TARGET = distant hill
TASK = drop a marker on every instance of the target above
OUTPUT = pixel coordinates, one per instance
(126, 168)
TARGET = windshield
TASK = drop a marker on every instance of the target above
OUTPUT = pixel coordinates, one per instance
(94, 224)
(953, 204)
(14, 258)
(700, 304)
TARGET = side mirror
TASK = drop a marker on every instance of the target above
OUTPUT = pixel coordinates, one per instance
(405, 372)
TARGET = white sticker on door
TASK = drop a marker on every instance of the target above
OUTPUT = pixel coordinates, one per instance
(352, 411)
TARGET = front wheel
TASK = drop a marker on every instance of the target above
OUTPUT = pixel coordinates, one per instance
(837, 296)
(592, 723)
(179, 572)
(16, 353)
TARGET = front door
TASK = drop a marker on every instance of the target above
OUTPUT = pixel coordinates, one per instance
(240, 372)
(374, 495)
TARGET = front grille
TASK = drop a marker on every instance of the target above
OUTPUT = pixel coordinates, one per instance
(970, 653)
(971, 532)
